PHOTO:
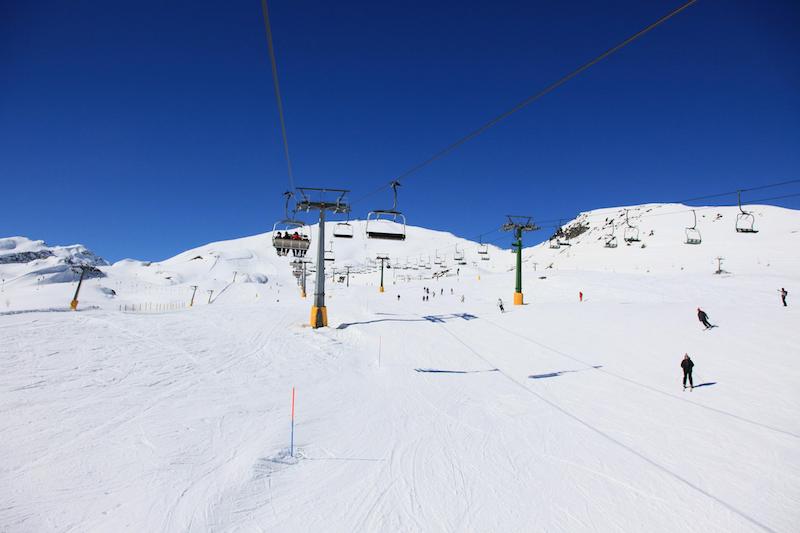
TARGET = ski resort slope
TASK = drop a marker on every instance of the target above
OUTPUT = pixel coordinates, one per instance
(661, 230)
(444, 415)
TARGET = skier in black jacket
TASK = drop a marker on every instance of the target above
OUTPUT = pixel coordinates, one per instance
(687, 366)
(703, 318)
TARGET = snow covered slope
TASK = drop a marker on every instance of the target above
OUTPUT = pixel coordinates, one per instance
(443, 415)
(661, 229)
(243, 268)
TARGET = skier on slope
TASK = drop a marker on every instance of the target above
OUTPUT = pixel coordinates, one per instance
(784, 293)
(703, 318)
(500, 305)
(687, 366)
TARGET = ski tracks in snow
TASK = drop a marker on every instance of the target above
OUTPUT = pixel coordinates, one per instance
(680, 478)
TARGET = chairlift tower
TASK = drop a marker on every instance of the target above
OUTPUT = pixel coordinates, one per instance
(319, 313)
(83, 268)
(299, 270)
(519, 224)
(382, 258)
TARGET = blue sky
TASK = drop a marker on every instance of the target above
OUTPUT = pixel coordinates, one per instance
(143, 129)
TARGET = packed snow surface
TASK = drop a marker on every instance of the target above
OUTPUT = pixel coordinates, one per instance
(140, 413)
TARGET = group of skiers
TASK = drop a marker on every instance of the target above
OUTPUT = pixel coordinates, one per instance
(427, 293)
(284, 249)
(687, 364)
(291, 236)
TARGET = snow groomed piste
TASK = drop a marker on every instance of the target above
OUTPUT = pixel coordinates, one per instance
(139, 412)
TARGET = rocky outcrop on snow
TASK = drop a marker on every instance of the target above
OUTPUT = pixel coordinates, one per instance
(22, 257)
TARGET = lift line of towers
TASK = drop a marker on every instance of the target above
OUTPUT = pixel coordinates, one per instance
(390, 224)
(288, 236)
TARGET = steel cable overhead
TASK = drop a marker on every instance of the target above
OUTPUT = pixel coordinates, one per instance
(278, 98)
(704, 197)
(526, 102)
(614, 210)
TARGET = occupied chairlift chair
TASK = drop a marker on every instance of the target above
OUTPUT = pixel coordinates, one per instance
(283, 242)
(631, 232)
(745, 221)
(692, 233)
(389, 224)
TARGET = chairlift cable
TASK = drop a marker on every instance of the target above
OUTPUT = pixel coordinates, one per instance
(781, 197)
(526, 102)
(278, 98)
(705, 197)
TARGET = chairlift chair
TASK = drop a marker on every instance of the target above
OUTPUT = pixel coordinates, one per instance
(631, 233)
(692, 233)
(343, 230)
(483, 249)
(611, 239)
(282, 239)
(458, 256)
(329, 253)
(388, 224)
(745, 221)
(559, 238)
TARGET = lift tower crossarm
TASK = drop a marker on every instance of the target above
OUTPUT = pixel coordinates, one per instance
(519, 224)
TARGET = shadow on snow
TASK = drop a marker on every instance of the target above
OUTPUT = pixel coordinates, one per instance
(427, 318)
(441, 371)
(560, 372)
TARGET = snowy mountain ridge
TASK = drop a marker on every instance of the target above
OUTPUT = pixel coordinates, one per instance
(580, 244)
